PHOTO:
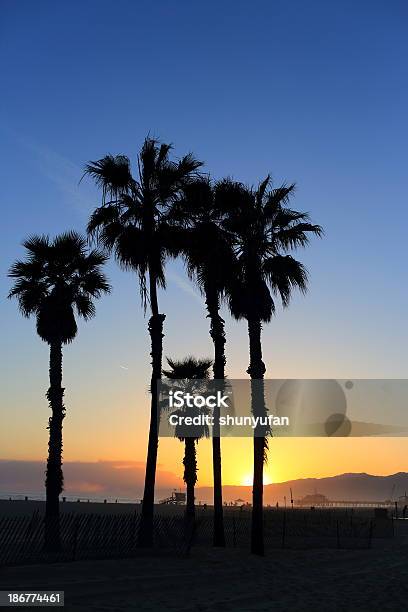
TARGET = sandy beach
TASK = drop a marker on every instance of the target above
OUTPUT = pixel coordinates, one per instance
(209, 579)
(213, 580)
(26, 508)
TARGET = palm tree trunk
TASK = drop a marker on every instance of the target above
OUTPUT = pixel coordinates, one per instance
(190, 476)
(54, 477)
(145, 537)
(256, 371)
(217, 334)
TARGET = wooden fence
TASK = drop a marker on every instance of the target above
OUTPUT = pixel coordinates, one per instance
(96, 536)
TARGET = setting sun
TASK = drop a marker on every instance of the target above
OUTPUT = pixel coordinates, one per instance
(247, 480)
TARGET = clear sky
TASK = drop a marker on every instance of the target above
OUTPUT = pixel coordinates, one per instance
(313, 92)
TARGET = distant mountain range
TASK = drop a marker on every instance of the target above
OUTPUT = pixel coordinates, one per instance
(124, 480)
(347, 487)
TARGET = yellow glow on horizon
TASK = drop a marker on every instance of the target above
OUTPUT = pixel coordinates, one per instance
(266, 479)
(288, 458)
(294, 458)
(248, 478)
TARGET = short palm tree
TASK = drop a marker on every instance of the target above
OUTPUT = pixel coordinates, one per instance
(187, 375)
(58, 280)
(263, 228)
(207, 250)
(133, 222)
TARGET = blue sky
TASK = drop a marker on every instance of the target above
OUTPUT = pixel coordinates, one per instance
(313, 92)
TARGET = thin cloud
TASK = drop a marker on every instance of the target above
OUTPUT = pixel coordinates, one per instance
(184, 286)
(57, 169)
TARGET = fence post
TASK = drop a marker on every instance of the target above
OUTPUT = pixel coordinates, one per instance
(338, 534)
(134, 531)
(75, 538)
(284, 529)
(370, 534)
(234, 533)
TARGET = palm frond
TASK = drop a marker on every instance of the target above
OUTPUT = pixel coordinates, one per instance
(284, 274)
(85, 307)
(262, 228)
(163, 153)
(111, 174)
(68, 246)
(189, 368)
(187, 167)
(262, 189)
(250, 300)
(140, 224)
(277, 198)
(296, 235)
(101, 218)
(55, 277)
(37, 246)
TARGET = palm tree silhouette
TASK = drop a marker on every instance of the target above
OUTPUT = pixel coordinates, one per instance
(188, 375)
(207, 250)
(263, 229)
(57, 279)
(133, 221)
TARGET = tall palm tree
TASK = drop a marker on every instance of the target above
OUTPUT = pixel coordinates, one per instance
(58, 279)
(207, 250)
(264, 228)
(187, 375)
(133, 222)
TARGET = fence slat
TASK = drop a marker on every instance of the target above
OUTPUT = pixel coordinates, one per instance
(99, 536)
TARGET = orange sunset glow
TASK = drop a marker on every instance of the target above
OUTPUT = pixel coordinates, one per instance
(289, 459)
(120, 435)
